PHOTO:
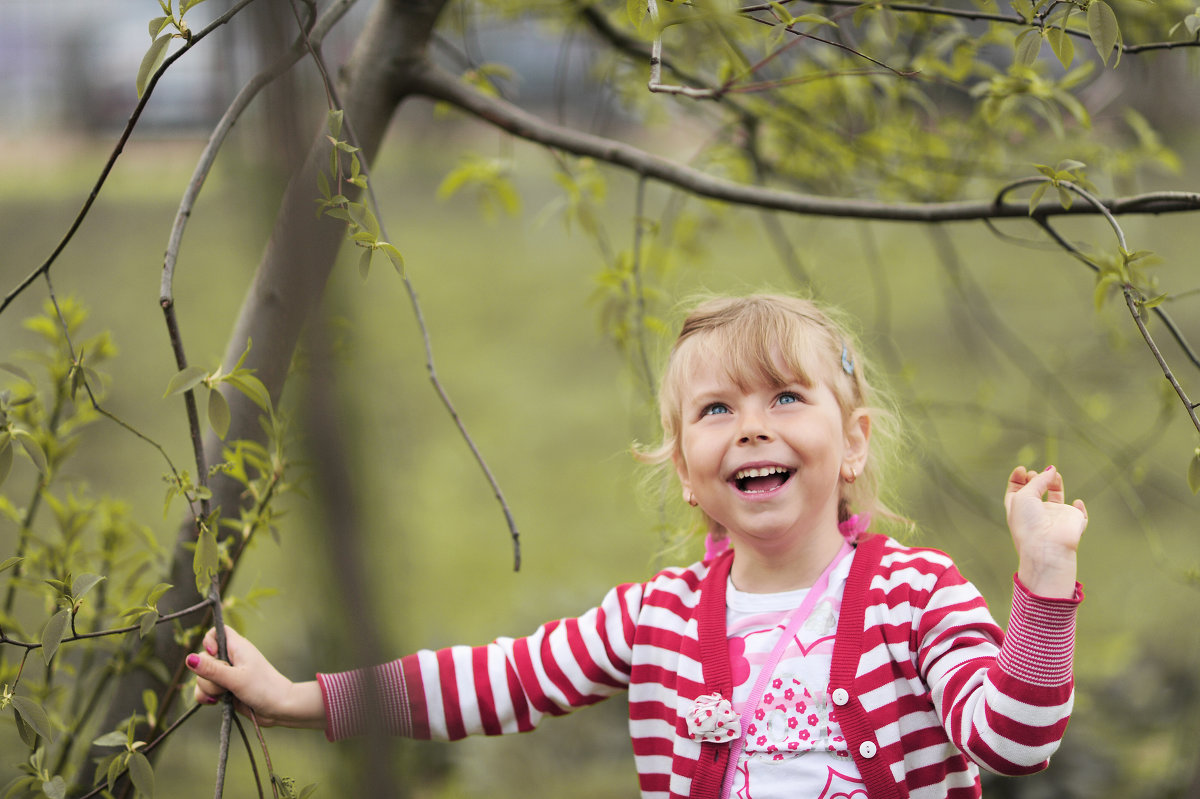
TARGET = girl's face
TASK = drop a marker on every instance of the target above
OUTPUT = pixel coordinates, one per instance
(766, 462)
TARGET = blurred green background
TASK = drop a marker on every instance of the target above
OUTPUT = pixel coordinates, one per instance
(511, 310)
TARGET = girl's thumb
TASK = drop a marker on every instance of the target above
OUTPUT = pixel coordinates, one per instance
(210, 668)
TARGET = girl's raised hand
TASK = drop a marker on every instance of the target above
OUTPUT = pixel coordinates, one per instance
(1046, 532)
(255, 684)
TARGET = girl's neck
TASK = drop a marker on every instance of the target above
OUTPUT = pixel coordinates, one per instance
(767, 568)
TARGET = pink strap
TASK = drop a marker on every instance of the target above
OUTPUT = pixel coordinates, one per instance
(799, 616)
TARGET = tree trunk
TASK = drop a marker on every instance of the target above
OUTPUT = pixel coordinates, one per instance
(292, 274)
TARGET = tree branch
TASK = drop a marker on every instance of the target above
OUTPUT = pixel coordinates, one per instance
(437, 84)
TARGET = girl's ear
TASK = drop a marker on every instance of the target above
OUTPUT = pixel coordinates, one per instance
(858, 439)
(681, 469)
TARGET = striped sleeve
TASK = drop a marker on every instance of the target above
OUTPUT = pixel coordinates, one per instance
(506, 686)
(1005, 705)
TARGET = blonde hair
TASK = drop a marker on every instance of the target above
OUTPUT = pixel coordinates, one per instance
(775, 340)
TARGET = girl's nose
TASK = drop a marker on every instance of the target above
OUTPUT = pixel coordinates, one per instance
(754, 430)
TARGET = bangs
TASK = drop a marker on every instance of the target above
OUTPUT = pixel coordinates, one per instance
(772, 350)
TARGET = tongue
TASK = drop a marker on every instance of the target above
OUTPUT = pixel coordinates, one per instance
(767, 483)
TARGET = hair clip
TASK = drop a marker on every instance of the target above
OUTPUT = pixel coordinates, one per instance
(847, 363)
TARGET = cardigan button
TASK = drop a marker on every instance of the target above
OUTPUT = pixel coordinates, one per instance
(868, 749)
(840, 696)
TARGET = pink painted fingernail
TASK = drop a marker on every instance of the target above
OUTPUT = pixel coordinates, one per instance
(193, 661)
(208, 700)
(210, 648)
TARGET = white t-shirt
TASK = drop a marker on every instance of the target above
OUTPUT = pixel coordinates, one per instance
(793, 739)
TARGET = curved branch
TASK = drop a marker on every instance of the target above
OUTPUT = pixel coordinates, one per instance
(437, 84)
(217, 138)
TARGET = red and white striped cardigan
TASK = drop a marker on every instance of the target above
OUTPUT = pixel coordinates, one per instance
(924, 677)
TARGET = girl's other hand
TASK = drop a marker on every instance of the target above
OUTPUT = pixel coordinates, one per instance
(1046, 532)
(255, 684)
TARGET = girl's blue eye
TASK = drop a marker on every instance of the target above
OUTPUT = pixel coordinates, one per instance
(788, 397)
(715, 408)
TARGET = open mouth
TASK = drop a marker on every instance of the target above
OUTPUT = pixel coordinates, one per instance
(762, 479)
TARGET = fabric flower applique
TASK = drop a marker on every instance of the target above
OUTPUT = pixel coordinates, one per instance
(853, 528)
(711, 718)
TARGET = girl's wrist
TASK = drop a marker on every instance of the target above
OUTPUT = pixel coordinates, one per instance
(1049, 580)
(304, 707)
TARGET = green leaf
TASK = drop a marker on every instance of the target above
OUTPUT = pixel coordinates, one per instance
(55, 788)
(636, 11)
(206, 560)
(114, 738)
(392, 253)
(150, 702)
(26, 732)
(1103, 284)
(218, 413)
(1036, 197)
(1102, 27)
(53, 633)
(157, 592)
(1024, 8)
(253, 388)
(1194, 473)
(8, 564)
(84, 583)
(6, 456)
(157, 25)
(334, 122)
(185, 380)
(33, 715)
(32, 449)
(115, 767)
(142, 775)
(187, 4)
(151, 62)
(1062, 44)
(1027, 45)
(364, 262)
(147, 622)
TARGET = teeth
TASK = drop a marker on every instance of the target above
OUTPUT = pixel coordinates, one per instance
(765, 471)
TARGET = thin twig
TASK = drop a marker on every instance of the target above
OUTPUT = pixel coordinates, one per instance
(639, 294)
(415, 303)
(4, 639)
(1134, 304)
(250, 754)
(266, 755)
(219, 133)
(1159, 311)
(116, 152)
(187, 714)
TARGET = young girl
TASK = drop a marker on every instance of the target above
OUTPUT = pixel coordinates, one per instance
(804, 656)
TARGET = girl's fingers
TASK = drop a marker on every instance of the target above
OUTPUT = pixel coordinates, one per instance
(1056, 492)
(1017, 479)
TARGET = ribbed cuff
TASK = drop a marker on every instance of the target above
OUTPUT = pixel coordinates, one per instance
(1039, 645)
(364, 700)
